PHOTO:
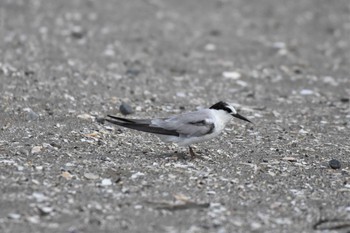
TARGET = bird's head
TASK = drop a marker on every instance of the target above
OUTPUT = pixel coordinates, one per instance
(229, 109)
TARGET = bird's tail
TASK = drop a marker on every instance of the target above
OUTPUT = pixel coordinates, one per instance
(144, 125)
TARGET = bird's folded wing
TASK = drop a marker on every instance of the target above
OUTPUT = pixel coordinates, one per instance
(195, 128)
(188, 124)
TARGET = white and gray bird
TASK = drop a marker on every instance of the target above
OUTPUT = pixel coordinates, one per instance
(187, 128)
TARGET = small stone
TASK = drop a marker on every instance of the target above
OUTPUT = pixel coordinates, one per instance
(126, 109)
(211, 192)
(38, 168)
(180, 94)
(100, 120)
(279, 45)
(306, 92)
(109, 52)
(39, 197)
(215, 32)
(231, 75)
(125, 190)
(330, 80)
(36, 149)
(241, 83)
(210, 47)
(29, 72)
(45, 210)
(290, 159)
(90, 176)
(335, 164)
(106, 182)
(66, 175)
(55, 145)
(78, 32)
(345, 100)
(14, 216)
(137, 175)
(33, 219)
(69, 97)
(31, 115)
(132, 72)
(85, 116)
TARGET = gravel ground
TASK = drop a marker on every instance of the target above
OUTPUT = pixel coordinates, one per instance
(65, 64)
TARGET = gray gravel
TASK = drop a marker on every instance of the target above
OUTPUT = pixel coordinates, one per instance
(66, 64)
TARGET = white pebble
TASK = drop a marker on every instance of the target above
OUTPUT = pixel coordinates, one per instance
(306, 92)
(106, 182)
(36, 149)
(231, 75)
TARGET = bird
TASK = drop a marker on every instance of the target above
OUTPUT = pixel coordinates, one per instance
(187, 128)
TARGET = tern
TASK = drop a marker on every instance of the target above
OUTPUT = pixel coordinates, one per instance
(187, 128)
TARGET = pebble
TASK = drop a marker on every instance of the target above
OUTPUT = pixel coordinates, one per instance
(14, 216)
(231, 75)
(45, 210)
(77, 32)
(335, 164)
(85, 116)
(132, 72)
(33, 219)
(345, 100)
(55, 145)
(29, 73)
(137, 175)
(39, 197)
(330, 80)
(106, 182)
(31, 115)
(306, 92)
(91, 176)
(36, 149)
(210, 47)
(126, 109)
(290, 159)
(100, 120)
(180, 94)
(66, 175)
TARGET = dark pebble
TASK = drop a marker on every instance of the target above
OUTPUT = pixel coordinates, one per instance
(29, 73)
(345, 100)
(78, 33)
(132, 72)
(335, 164)
(298, 71)
(126, 109)
(100, 120)
(215, 32)
(54, 144)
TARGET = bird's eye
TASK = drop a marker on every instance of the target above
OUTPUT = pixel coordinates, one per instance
(229, 110)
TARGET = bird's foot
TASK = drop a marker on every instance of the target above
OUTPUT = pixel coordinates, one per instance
(193, 155)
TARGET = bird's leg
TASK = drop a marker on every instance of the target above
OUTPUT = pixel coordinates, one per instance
(193, 155)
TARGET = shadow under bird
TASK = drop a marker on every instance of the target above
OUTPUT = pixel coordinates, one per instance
(187, 128)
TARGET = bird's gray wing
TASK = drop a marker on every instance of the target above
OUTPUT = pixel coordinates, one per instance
(190, 124)
(144, 125)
